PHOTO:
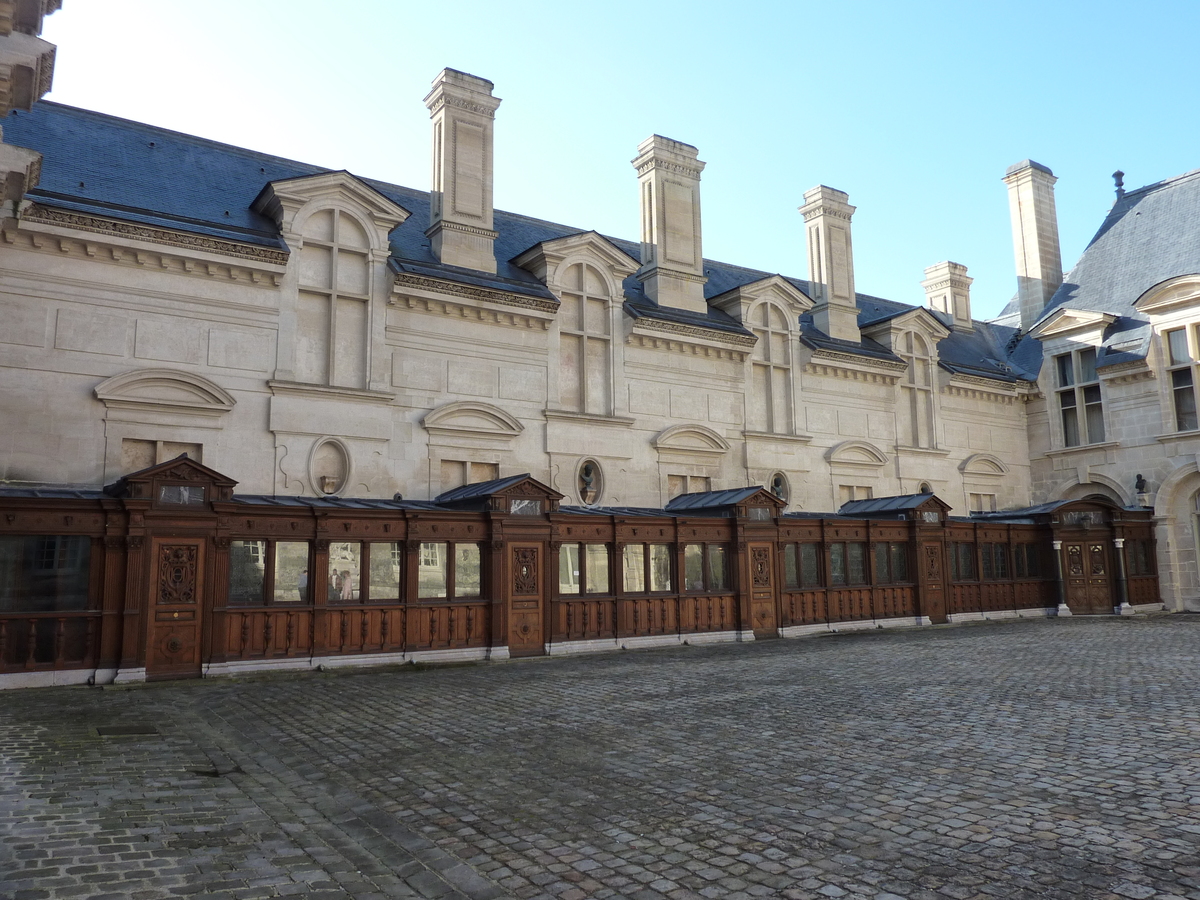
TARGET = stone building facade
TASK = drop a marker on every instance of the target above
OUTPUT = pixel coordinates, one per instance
(316, 333)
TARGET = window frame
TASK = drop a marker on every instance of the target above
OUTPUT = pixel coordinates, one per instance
(707, 585)
(270, 565)
(583, 569)
(1176, 368)
(584, 338)
(451, 571)
(1079, 395)
(647, 568)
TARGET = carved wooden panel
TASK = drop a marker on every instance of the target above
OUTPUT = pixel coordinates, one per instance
(1075, 560)
(760, 566)
(177, 573)
(525, 570)
(176, 589)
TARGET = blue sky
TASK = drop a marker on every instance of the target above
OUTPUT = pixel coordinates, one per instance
(914, 109)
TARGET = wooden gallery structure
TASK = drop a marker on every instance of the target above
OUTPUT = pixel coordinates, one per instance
(170, 574)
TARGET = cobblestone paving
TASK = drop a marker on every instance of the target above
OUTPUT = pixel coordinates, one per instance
(1033, 759)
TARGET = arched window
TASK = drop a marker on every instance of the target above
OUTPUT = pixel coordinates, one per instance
(585, 342)
(771, 401)
(333, 305)
(916, 417)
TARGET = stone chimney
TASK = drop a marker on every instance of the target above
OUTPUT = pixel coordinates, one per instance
(26, 72)
(948, 290)
(831, 262)
(1035, 237)
(672, 270)
(463, 111)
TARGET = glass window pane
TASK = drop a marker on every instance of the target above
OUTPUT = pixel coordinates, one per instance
(47, 573)
(1001, 561)
(791, 566)
(837, 563)
(291, 572)
(660, 567)
(693, 567)
(1070, 420)
(716, 569)
(1095, 414)
(899, 555)
(466, 570)
(1087, 365)
(526, 507)
(247, 562)
(856, 563)
(1066, 373)
(1185, 401)
(345, 564)
(597, 569)
(431, 571)
(966, 561)
(989, 570)
(810, 574)
(385, 571)
(1177, 347)
(633, 565)
(881, 564)
(568, 569)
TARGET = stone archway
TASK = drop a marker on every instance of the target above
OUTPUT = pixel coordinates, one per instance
(1176, 509)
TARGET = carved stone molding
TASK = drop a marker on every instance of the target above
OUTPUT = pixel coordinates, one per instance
(408, 280)
(44, 215)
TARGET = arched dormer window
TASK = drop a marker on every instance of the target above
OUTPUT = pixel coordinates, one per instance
(916, 411)
(771, 401)
(333, 309)
(585, 342)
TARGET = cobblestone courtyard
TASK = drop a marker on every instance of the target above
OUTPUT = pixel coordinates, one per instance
(1031, 759)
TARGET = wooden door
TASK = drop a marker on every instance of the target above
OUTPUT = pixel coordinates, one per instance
(526, 599)
(1089, 583)
(764, 593)
(932, 582)
(174, 610)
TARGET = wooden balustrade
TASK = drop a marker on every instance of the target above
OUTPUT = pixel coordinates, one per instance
(50, 640)
(639, 616)
(582, 619)
(710, 612)
(805, 607)
(444, 626)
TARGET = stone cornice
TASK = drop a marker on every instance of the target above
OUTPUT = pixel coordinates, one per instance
(454, 298)
(827, 211)
(444, 225)
(303, 389)
(1127, 372)
(836, 364)
(661, 335)
(44, 215)
(456, 102)
(975, 387)
(589, 418)
(70, 242)
(674, 168)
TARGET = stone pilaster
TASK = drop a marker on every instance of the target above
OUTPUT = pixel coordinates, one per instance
(672, 271)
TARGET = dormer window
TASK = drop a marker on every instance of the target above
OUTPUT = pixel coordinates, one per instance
(1079, 400)
(917, 389)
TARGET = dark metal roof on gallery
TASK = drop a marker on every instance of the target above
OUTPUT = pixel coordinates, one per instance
(104, 166)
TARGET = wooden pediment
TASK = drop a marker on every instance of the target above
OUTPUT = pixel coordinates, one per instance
(178, 483)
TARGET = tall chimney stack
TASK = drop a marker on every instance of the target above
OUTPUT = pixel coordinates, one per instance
(948, 290)
(672, 271)
(827, 215)
(1035, 237)
(463, 111)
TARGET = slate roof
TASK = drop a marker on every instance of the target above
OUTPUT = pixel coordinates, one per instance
(106, 166)
(899, 503)
(710, 499)
(331, 502)
(1150, 235)
(479, 489)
